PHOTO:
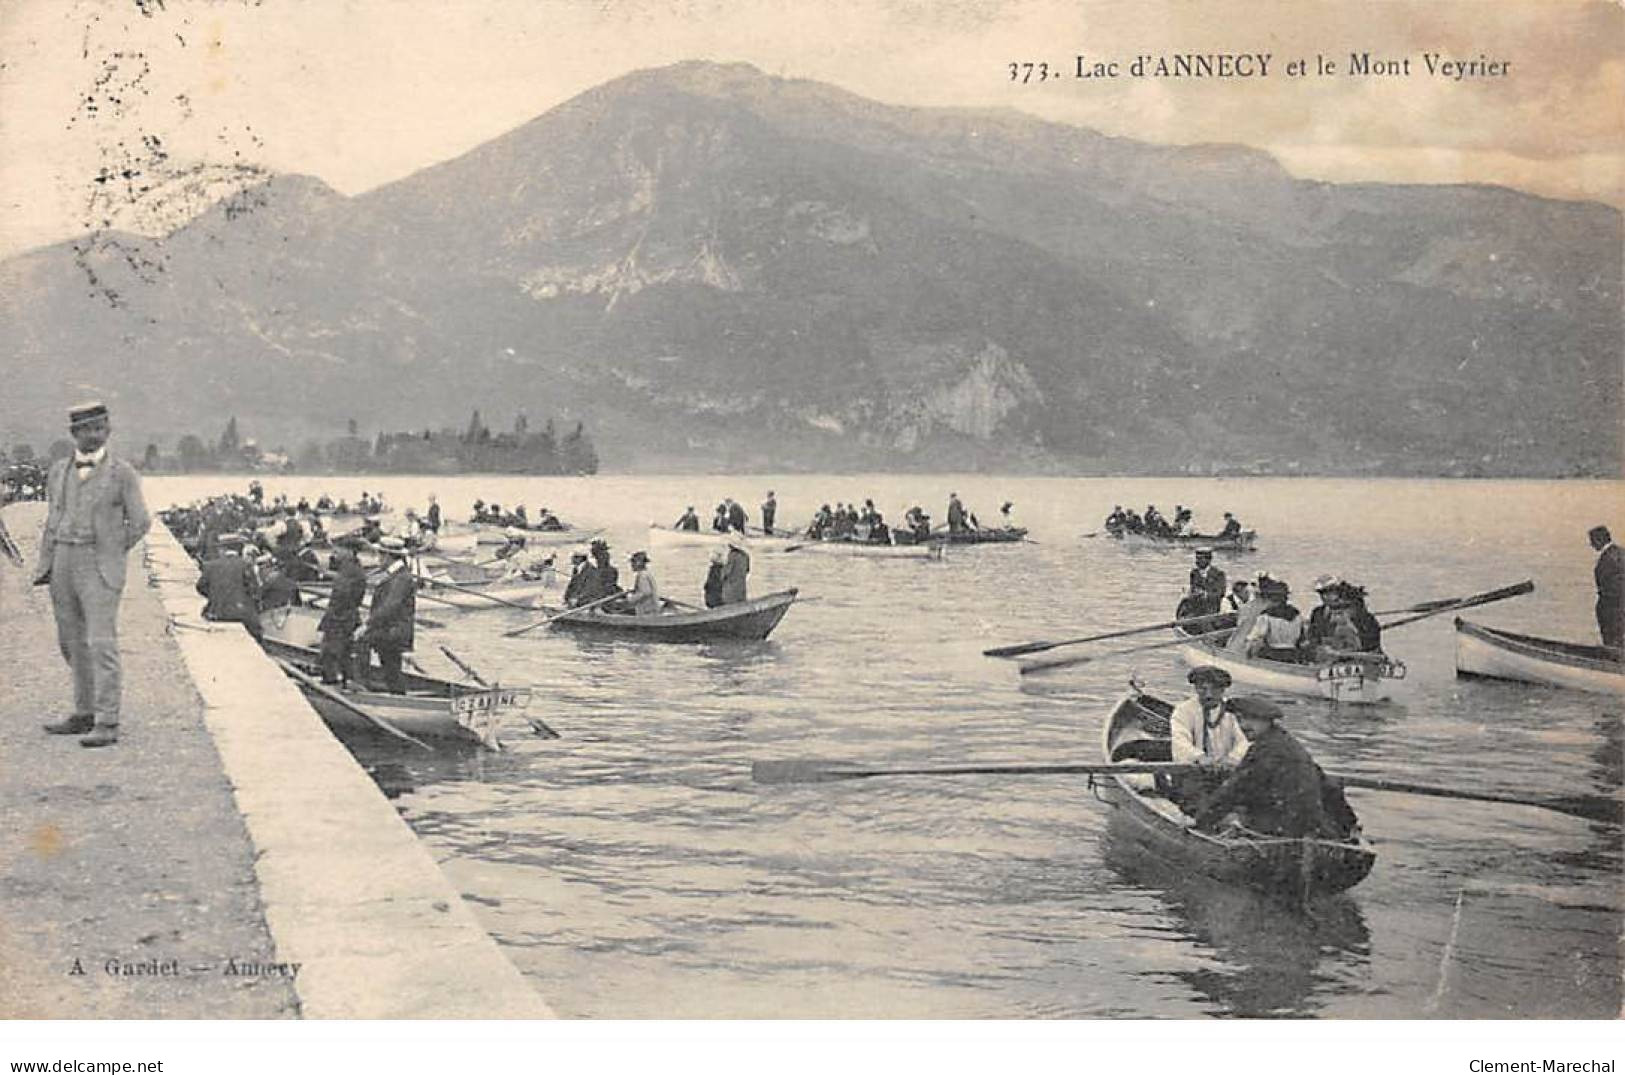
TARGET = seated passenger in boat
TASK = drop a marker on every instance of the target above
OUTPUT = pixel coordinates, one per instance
(1277, 634)
(1207, 587)
(1277, 789)
(643, 596)
(579, 569)
(1232, 527)
(918, 522)
(688, 520)
(719, 519)
(1116, 522)
(879, 532)
(1341, 624)
(1239, 596)
(1247, 615)
(546, 520)
(1155, 524)
(713, 579)
(1202, 732)
(1182, 518)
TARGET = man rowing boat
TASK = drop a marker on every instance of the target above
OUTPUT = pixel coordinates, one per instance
(1277, 789)
(1202, 732)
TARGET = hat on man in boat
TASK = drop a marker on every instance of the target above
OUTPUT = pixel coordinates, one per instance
(1328, 582)
(390, 545)
(1250, 705)
(578, 554)
(1207, 673)
(599, 543)
(1204, 553)
(85, 413)
(229, 540)
(639, 557)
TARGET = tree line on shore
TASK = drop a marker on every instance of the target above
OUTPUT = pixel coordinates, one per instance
(475, 449)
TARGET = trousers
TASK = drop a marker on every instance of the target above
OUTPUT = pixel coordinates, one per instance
(1610, 623)
(86, 609)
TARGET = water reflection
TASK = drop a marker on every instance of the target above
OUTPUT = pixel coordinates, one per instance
(1272, 959)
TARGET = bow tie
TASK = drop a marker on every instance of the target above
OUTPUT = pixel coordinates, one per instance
(84, 464)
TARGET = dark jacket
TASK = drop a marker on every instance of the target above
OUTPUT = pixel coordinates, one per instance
(344, 606)
(1210, 585)
(733, 576)
(394, 607)
(1280, 791)
(713, 585)
(1320, 627)
(228, 582)
(736, 517)
(1610, 576)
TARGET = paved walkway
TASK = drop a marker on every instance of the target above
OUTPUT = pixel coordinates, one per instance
(132, 863)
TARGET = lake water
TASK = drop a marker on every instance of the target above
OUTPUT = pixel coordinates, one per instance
(632, 868)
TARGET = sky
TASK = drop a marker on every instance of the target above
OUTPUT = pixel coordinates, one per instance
(100, 98)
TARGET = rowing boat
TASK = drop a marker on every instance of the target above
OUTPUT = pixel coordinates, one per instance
(465, 538)
(1353, 679)
(672, 538)
(1490, 653)
(431, 708)
(747, 621)
(1242, 542)
(874, 550)
(1002, 535)
(1298, 868)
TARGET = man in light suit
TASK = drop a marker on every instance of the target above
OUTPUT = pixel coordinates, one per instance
(96, 517)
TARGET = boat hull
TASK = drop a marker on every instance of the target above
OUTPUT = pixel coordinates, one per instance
(866, 550)
(672, 538)
(748, 621)
(1488, 653)
(429, 710)
(1242, 542)
(1347, 682)
(475, 597)
(994, 536)
(1298, 869)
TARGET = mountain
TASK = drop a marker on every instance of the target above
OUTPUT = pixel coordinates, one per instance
(716, 268)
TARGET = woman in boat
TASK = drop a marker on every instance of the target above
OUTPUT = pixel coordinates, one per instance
(1278, 790)
(1341, 623)
(1277, 634)
(1203, 732)
(643, 596)
(581, 574)
(734, 571)
(713, 579)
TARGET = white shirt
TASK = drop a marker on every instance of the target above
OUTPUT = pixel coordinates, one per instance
(1277, 633)
(1225, 742)
(92, 458)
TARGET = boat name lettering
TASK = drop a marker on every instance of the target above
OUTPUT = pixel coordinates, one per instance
(484, 701)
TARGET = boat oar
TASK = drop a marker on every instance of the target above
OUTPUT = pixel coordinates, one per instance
(1020, 648)
(474, 593)
(1434, 608)
(560, 615)
(1067, 662)
(467, 669)
(807, 771)
(339, 700)
(1590, 807)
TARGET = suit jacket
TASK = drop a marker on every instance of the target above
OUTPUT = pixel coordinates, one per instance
(344, 605)
(228, 582)
(733, 577)
(118, 514)
(394, 606)
(1610, 576)
(1278, 787)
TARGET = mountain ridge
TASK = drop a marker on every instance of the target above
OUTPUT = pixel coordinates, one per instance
(705, 262)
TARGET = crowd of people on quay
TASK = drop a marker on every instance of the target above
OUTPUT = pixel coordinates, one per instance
(1154, 524)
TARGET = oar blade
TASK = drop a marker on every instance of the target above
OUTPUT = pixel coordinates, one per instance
(1018, 649)
(796, 771)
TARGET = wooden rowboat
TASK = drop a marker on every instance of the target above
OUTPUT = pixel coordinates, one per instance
(748, 621)
(1002, 535)
(432, 709)
(1292, 867)
(1354, 680)
(1242, 542)
(672, 538)
(1490, 653)
(477, 596)
(872, 550)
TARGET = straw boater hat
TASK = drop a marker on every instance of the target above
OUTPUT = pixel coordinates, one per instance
(736, 540)
(391, 545)
(84, 413)
(1204, 553)
(1327, 582)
